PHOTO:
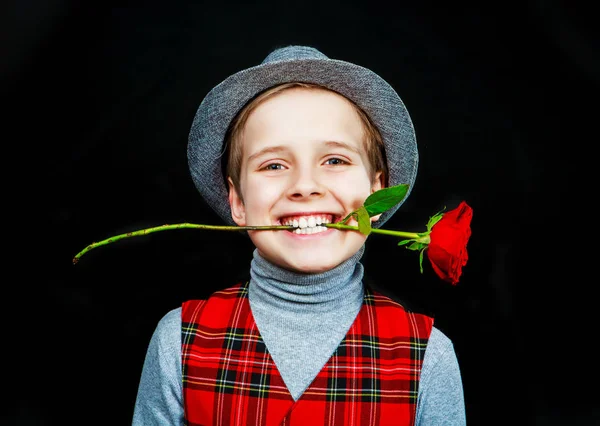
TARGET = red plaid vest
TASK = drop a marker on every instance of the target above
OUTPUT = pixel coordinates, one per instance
(229, 377)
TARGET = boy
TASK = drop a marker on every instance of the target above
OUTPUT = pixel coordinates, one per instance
(305, 140)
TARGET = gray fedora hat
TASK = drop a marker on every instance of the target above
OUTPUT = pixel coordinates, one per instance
(305, 64)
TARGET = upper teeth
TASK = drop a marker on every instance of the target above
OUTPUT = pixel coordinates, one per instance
(306, 221)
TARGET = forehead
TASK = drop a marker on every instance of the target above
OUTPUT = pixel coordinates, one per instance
(302, 111)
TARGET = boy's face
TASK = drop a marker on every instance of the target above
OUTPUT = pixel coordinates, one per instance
(303, 160)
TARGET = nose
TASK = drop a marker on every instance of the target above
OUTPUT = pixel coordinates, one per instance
(305, 183)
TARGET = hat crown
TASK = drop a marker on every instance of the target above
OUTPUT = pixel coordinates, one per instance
(289, 53)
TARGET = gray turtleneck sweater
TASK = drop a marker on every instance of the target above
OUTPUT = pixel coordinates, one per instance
(302, 318)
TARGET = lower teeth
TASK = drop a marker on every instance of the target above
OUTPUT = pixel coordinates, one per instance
(310, 230)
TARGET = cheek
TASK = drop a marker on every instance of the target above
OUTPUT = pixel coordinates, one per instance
(261, 189)
(354, 189)
(260, 195)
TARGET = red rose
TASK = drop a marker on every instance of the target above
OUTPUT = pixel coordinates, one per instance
(447, 250)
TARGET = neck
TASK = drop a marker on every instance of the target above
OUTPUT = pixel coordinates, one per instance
(279, 288)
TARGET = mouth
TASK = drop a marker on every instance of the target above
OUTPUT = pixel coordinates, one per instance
(308, 224)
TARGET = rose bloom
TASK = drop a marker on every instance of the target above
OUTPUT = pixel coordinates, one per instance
(447, 250)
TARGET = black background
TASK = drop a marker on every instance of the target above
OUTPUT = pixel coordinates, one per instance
(99, 100)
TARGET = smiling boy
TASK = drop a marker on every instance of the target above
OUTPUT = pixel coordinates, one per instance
(303, 341)
(304, 159)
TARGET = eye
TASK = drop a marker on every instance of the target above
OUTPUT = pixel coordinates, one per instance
(273, 166)
(335, 161)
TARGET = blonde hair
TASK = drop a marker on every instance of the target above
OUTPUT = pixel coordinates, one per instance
(373, 141)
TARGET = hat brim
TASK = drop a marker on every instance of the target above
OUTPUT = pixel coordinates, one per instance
(361, 85)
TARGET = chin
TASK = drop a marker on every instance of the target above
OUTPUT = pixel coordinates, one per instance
(305, 258)
(312, 264)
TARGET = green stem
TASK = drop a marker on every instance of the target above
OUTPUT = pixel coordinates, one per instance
(401, 234)
(175, 226)
(404, 235)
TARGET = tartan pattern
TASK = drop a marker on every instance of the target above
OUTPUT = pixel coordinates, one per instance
(229, 377)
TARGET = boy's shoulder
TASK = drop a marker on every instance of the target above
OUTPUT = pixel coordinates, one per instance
(217, 301)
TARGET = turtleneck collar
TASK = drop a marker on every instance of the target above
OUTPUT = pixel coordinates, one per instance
(278, 288)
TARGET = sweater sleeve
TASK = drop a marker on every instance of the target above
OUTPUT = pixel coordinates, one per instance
(159, 397)
(441, 398)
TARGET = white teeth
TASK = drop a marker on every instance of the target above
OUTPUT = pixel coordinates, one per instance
(308, 231)
(307, 221)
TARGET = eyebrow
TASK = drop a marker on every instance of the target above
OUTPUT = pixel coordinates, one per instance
(268, 150)
(344, 145)
(280, 148)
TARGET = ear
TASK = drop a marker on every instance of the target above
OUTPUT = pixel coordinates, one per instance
(376, 186)
(238, 211)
